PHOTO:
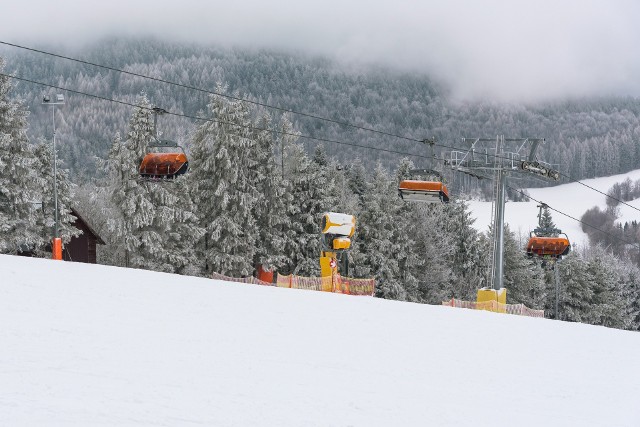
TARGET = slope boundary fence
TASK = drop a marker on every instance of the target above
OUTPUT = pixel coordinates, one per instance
(252, 280)
(518, 309)
(336, 284)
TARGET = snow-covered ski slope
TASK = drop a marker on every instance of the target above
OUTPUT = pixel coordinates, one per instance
(572, 199)
(85, 345)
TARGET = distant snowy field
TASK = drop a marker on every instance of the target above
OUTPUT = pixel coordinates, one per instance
(84, 345)
(573, 199)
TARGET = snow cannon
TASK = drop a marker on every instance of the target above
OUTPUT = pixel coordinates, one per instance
(338, 224)
(337, 231)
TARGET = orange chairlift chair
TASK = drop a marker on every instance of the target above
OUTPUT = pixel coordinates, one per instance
(158, 164)
(424, 191)
(548, 246)
(547, 242)
(431, 190)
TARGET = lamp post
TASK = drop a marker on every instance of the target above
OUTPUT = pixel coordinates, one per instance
(57, 244)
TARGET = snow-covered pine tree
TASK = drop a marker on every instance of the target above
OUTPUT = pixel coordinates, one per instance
(608, 307)
(46, 217)
(313, 193)
(20, 178)
(169, 243)
(222, 161)
(468, 263)
(285, 137)
(523, 276)
(154, 221)
(452, 265)
(140, 131)
(630, 285)
(414, 247)
(345, 200)
(357, 178)
(272, 194)
(546, 220)
(129, 209)
(576, 295)
(351, 181)
(433, 249)
(297, 242)
(132, 223)
(107, 198)
(377, 228)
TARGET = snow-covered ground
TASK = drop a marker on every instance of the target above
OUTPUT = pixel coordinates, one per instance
(87, 345)
(572, 199)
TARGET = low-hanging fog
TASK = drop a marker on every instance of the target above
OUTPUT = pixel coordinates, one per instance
(530, 50)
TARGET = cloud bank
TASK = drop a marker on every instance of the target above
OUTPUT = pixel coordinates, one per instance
(513, 51)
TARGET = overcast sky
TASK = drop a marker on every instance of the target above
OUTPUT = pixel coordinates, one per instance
(501, 50)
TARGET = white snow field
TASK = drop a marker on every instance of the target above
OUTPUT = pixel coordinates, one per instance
(86, 345)
(572, 199)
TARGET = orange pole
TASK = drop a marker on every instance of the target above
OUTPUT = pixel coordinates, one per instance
(57, 249)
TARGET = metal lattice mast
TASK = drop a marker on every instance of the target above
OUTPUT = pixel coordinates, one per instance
(477, 162)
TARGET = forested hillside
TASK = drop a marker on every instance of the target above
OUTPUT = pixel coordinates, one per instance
(585, 137)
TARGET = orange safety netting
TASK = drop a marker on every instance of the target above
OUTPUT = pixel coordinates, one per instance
(251, 279)
(339, 284)
(308, 283)
(519, 309)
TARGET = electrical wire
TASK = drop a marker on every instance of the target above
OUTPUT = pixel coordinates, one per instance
(210, 92)
(295, 134)
(598, 191)
(129, 104)
(576, 219)
(236, 98)
(567, 177)
(287, 110)
(637, 245)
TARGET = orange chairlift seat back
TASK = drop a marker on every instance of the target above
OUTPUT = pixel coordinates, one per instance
(423, 191)
(163, 165)
(548, 246)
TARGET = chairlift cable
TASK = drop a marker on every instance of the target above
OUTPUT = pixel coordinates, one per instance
(237, 98)
(576, 219)
(210, 92)
(129, 104)
(287, 110)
